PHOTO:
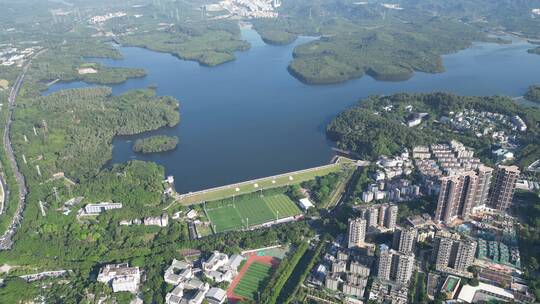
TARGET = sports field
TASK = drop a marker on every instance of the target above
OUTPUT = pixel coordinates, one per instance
(252, 280)
(251, 210)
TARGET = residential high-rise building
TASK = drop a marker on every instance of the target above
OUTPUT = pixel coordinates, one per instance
(456, 197)
(381, 216)
(452, 254)
(404, 239)
(382, 213)
(404, 268)
(485, 174)
(357, 232)
(390, 218)
(372, 217)
(503, 188)
(359, 269)
(385, 264)
(332, 281)
(395, 266)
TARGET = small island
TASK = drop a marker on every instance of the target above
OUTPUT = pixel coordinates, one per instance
(533, 94)
(535, 50)
(153, 144)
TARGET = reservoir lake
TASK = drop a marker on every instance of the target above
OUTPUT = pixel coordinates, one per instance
(250, 118)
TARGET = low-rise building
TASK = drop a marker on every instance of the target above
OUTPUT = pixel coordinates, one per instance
(121, 277)
(216, 261)
(178, 272)
(175, 296)
(305, 204)
(161, 221)
(216, 296)
(94, 209)
(484, 293)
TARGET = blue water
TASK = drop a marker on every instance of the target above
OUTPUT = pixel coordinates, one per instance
(249, 118)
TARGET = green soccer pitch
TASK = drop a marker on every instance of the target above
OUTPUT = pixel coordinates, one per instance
(252, 280)
(248, 211)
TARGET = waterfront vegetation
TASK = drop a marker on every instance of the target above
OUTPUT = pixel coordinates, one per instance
(209, 44)
(390, 52)
(535, 50)
(358, 129)
(322, 187)
(74, 128)
(533, 93)
(158, 143)
(367, 39)
(272, 34)
(67, 62)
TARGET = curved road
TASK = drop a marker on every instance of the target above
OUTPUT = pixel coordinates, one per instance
(6, 239)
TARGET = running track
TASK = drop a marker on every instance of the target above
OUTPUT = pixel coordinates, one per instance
(268, 260)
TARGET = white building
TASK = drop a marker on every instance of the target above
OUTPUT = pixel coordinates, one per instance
(175, 296)
(220, 276)
(519, 123)
(367, 196)
(199, 296)
(93, 209)
(484, 293)
(216, 296)
(216, 261)
(121, 277)
(192, 214)
(305, 204)
(414, 122)
(178, 272)
(161, 221)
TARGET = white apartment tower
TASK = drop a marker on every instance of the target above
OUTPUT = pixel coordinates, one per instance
(395, 266)
(357, 232)
(404, 239)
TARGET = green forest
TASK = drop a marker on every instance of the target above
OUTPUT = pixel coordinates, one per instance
(389, 52)
(535, 50)
(354, 39)
(209, 44)
(74, 128)
(158, 143)
(533, 93)
(359, 128)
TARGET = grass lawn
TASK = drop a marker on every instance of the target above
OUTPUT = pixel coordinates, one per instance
(252, 280)
(234, 214)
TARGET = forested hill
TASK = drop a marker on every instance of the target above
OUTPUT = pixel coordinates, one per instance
(388, 43)
(377, 126)
(75, 128)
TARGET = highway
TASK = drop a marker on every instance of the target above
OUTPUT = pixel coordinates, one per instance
(6, 239)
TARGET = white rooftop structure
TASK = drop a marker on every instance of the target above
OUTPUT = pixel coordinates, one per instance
(175, 296)
(121, 277)
(92, 209)
(178, 272)
(305, 203)
(471, 294)
(216, 295)
(235, 261)
(216, 260)
(161, 221)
